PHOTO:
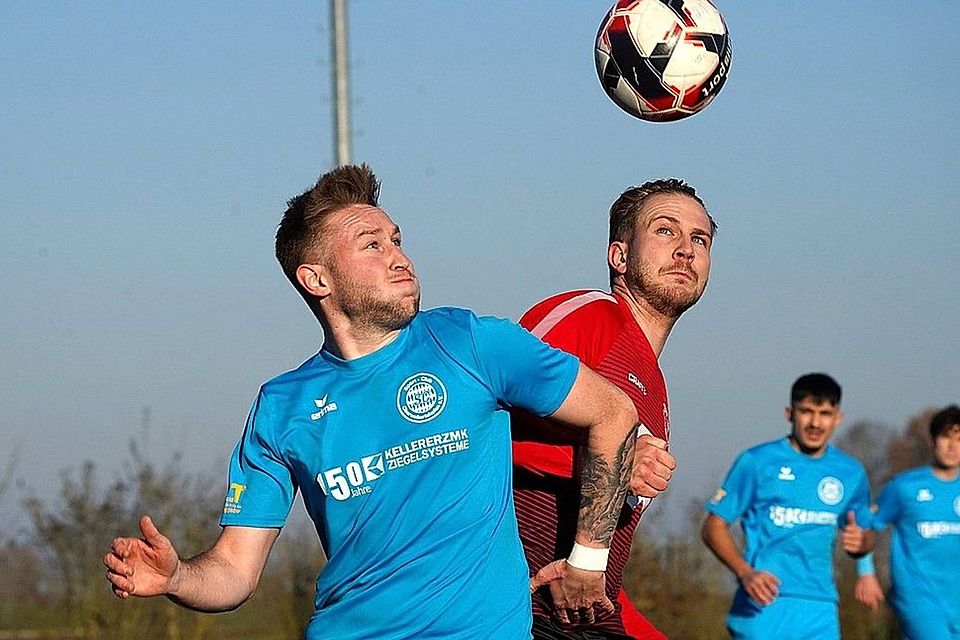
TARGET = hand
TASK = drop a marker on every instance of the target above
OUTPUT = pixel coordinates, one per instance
(574, 591)
(852, 538)
(653, 466)
(868, 591)
(763, 587)
(142, 566)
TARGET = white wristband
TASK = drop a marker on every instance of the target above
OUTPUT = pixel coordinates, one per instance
(588, 558)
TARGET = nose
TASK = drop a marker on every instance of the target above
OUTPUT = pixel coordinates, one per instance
(684, 248)
(400, 261)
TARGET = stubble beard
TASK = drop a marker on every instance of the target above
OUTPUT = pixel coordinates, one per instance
(369, 310)
(669, 301)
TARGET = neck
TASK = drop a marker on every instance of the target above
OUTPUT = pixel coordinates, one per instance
(654, 324)
(945, 473)
(349, 341)
(813, 453)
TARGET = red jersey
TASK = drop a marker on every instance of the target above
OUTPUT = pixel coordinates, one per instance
(599, 329)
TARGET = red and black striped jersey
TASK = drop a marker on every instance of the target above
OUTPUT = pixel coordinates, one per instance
(599, 329)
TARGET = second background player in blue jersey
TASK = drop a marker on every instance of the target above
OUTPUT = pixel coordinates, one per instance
(923, 507)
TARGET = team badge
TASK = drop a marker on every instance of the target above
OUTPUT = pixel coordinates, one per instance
(830, 490)
(421, 397)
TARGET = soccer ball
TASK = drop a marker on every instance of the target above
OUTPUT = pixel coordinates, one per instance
(663, 60)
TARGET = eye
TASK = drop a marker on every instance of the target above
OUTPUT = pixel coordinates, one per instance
(373, 244)
(396, 241)
(700, 240)
(663, 230)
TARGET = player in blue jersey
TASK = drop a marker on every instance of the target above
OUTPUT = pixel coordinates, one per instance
(791, 496)
(923, 506)
(396, 434)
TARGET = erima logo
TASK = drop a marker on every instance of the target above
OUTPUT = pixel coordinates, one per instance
(786, 473)
(323, 408)
(924, 495)
(635, 381)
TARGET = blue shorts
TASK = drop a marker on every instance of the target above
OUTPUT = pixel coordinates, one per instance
(787, 618)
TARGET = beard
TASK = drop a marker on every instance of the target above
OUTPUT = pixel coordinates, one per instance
(670, 300)
(368, 308)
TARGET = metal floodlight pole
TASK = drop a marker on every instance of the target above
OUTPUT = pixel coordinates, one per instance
(341, 85)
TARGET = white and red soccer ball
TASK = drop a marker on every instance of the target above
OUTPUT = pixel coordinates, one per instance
(663, 60)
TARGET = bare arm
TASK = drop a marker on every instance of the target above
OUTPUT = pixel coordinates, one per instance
(762, 586)
(595, 404)
(868, 591)
(219, 579)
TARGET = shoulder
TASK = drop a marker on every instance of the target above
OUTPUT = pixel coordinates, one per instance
(917, 474)
(459, 331)
(451, 322)
(281, 383)
(765, 449)
(572, 309)
(847, 462)
(445, 317)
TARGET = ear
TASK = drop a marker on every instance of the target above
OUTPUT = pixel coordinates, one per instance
(617, 257)
(788, 412)
(314, 279)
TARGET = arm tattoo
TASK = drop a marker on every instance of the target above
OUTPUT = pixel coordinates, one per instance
(603, 489)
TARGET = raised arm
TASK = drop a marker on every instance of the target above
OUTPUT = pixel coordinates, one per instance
(577, 583)
(762, 586)
(219, 579)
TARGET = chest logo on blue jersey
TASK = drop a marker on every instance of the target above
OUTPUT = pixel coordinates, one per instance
(421, 397)
(786, 473)
(830, 490)
(924, 495)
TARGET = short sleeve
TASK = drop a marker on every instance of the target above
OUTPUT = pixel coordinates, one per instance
(731, 499)
(860, 503)
(523, 371)
(888, 506)
(262, 488)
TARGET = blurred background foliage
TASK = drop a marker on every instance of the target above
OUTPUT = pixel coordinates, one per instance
(52, 581)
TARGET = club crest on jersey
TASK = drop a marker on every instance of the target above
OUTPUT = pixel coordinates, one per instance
(830, 490)
(924, 495)
(421, 397)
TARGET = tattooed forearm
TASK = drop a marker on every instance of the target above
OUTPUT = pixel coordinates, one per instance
(603, 489)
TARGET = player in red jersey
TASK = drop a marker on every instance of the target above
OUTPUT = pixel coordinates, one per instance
(659, 262)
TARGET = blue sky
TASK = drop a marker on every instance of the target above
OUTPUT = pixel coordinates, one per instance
(147, 151)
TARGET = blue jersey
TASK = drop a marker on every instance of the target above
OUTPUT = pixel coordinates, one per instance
(925, 546)
(791, 506)
(403, 460)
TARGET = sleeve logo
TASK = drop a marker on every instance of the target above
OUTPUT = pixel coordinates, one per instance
(421, 397)
(232, 503)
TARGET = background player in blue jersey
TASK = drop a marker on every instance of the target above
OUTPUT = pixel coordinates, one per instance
(791, 495)
(396, 433)
(923, 506)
